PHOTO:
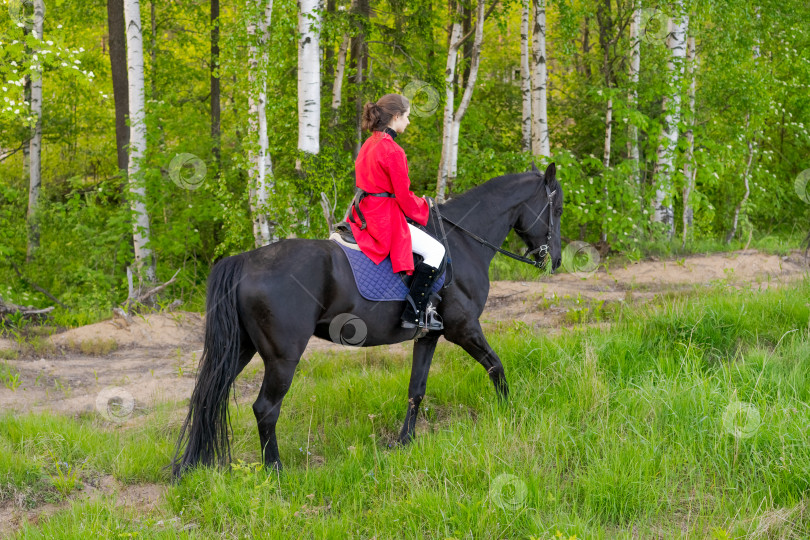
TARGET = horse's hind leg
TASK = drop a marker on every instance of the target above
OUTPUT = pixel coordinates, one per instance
(278, 375)
(281, 350)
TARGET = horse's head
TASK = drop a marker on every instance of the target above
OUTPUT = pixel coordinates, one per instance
(538, 222)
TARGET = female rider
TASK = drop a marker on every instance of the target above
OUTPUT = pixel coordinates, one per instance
(385, 200)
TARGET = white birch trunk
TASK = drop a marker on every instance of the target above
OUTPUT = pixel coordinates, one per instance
(747, 172)
(309, 77)
(525, 78)
(337, 86)
(261, 169)
(144, 262)
(35, 144)
(449, 98)
(635, 66)
(472, 77)
(608, 133)
(606, 163)
(253, 128)
(454, 131)
(676, 43)
(688, 174)
(540, 140)
(733, 230)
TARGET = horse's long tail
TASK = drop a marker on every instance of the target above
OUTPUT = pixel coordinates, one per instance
(206, 430)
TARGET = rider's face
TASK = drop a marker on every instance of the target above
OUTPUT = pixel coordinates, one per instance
(401, 121)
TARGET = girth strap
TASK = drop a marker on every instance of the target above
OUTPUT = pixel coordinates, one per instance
(359, 196)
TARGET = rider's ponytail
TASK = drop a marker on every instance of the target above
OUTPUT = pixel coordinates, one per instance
(371, 116)
(376, 116)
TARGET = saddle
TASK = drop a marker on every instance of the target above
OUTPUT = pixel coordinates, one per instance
(344, 236)
(376, 282)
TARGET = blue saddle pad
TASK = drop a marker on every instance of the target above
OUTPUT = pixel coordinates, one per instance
(378, 282)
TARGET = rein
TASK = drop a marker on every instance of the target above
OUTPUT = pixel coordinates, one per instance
(542, 250)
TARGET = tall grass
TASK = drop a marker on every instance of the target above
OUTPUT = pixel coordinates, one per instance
(688, 419)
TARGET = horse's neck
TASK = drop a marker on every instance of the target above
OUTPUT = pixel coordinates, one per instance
(490, 215)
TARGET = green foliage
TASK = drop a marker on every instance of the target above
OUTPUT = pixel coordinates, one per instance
(9, 376)
(85, 221)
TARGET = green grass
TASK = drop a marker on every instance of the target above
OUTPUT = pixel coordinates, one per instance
(605, 433)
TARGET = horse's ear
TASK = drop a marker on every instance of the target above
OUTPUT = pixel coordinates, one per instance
(535, 170)
(551, 173)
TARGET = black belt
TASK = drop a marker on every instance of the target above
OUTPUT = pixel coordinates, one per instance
(359, 196)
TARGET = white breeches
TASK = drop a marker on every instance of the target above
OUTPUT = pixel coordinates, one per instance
(425, 245)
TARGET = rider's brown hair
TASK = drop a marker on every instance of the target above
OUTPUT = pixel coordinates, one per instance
(376, 116)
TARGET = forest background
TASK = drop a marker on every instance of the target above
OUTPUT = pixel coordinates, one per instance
(674, 126)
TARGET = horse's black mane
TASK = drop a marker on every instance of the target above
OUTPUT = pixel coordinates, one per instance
(492, 186)
(488, 187)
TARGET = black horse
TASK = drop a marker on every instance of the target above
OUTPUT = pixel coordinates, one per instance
(273, 299)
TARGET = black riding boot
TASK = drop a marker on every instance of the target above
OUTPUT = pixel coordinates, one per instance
(420, 304)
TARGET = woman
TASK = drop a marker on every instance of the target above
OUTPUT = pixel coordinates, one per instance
(378, 217)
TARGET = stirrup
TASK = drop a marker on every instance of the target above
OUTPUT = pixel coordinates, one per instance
(431, 320)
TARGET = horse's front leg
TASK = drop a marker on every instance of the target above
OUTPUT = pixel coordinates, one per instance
(471, 339)
(423, 351)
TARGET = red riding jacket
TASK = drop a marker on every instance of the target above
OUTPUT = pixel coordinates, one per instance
(381, 166)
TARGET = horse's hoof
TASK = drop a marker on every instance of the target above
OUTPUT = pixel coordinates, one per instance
(403, 441)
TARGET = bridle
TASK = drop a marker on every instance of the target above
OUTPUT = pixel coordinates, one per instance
(542, 251)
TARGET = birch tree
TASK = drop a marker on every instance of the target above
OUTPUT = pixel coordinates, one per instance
(472, 78)
(689, 168)
(632, 96)
(35, 144)
(525, 78)
(676, 43)
(452, 119)
(337, 86)
(144, 261)
(261, 165)
(309, 78)
(449, 104)
(540, 140)
(747, 171)
(606, 40)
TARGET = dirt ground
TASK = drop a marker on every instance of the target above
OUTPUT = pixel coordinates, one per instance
(156, 355)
